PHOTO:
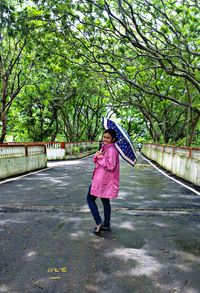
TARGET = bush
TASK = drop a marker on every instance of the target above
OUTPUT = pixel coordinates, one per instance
(93, 146)
(68, 151)
(75, 150)
(82, 148)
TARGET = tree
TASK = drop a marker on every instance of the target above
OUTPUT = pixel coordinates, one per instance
(141, 43)
(121, 57)
(16, 56)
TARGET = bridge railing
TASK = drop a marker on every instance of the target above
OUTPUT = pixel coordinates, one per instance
(18, 158)
(65, 145)
(54, 150)
(21, 158)
(12, 150)
(181, 161)
(59, 150)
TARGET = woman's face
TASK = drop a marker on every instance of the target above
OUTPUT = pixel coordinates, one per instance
(107, 138)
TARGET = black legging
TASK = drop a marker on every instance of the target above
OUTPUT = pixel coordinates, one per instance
(91, 200)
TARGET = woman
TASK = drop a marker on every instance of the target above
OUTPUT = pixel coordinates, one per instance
(105, 180)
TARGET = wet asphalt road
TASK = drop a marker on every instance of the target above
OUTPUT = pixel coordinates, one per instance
(46, 244)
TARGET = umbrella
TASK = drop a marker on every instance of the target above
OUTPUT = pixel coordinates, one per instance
(123, 144)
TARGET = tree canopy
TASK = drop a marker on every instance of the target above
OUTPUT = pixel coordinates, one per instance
(65, 64)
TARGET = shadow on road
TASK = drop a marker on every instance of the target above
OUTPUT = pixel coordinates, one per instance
(47, 243)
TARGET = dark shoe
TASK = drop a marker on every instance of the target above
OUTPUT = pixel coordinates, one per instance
(105, 228)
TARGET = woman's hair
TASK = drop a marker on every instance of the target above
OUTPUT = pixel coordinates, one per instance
(112, 132)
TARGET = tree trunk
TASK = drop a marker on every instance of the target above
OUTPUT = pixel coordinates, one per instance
(193, 128)
(4, 127)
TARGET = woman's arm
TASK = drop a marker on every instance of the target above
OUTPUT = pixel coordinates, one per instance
(109, 160)
(97, 155)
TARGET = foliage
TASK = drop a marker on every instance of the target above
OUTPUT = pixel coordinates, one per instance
(65, 64)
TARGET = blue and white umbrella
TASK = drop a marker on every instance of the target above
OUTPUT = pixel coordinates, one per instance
(123, 144)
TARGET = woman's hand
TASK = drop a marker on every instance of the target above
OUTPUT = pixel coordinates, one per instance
(99, 153)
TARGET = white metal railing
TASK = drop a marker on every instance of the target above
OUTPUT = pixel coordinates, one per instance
(12, 151)
(65, 145)
(184, 162)
(20, 150)
(182, 152)
(176, 150)
(196, 154)
(35, 149)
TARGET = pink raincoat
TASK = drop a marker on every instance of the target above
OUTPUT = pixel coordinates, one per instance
(105, 180)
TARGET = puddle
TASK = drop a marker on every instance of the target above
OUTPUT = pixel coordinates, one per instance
(191, 246)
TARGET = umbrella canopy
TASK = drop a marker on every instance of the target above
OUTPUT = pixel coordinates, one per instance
(123, 144)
